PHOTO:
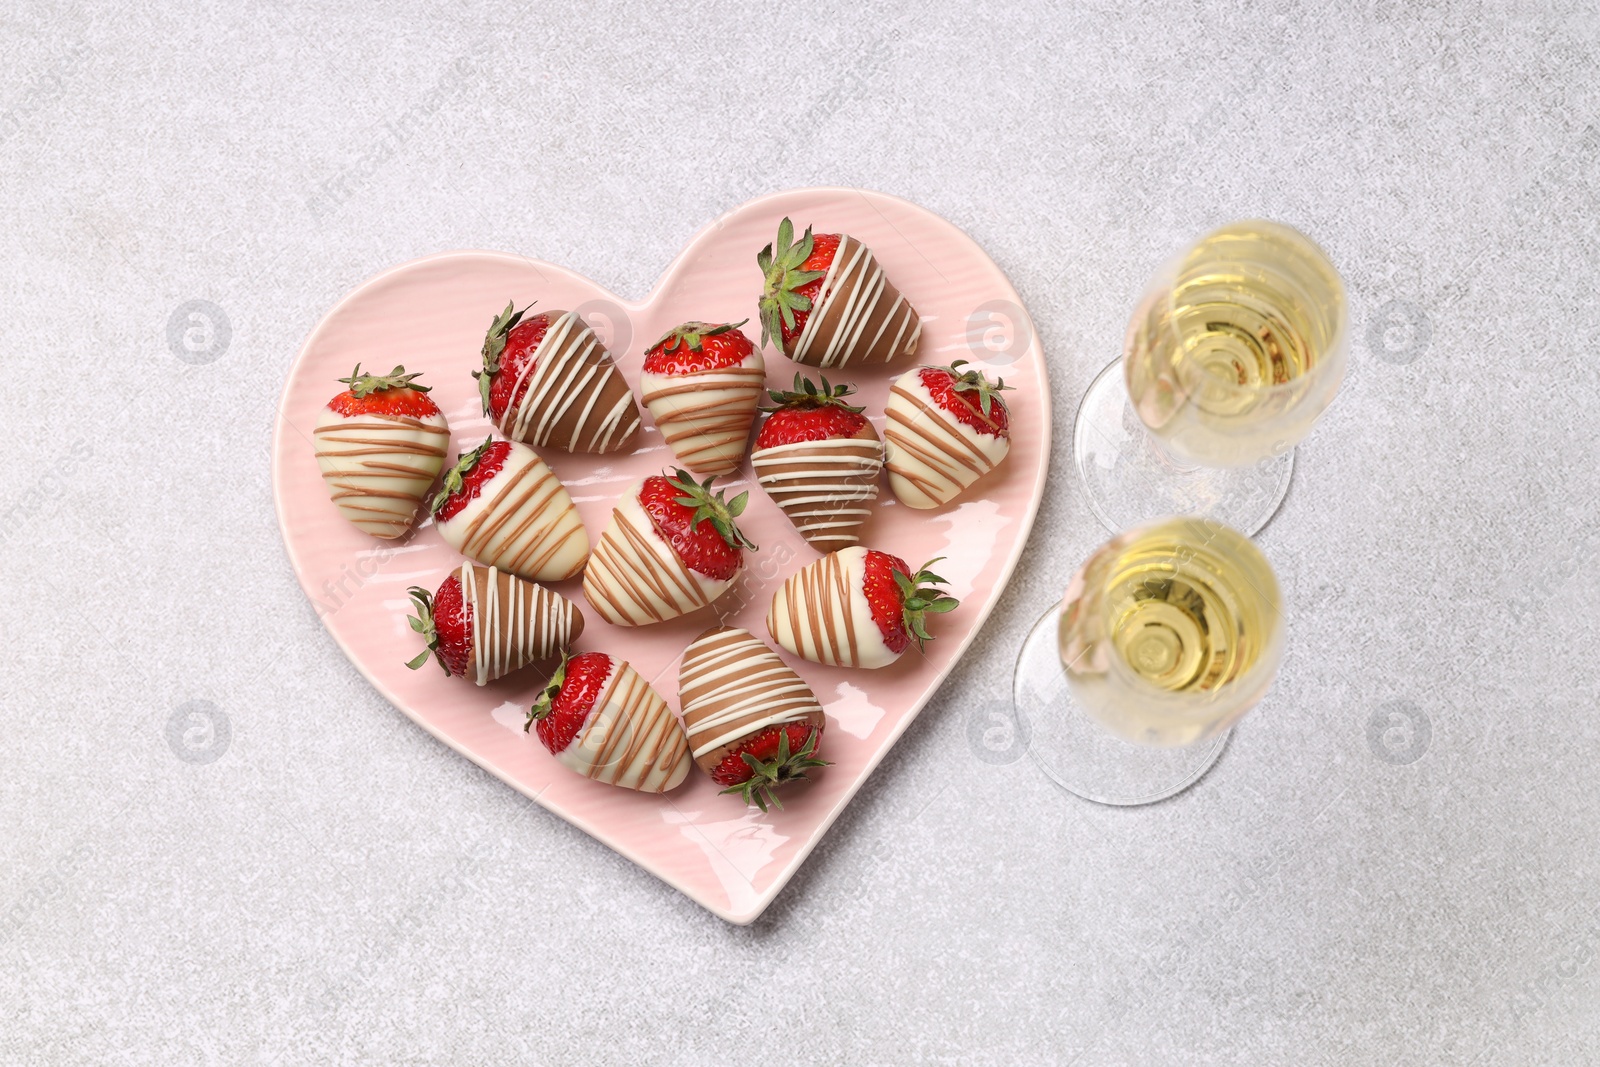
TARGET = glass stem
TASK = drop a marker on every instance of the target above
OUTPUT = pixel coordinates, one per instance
(1165, 455)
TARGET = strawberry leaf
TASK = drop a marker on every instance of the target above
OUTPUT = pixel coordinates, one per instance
(363, 385)
(919, 597)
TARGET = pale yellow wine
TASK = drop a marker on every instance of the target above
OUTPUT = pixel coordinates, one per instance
(1239, 346)
(1175, 630)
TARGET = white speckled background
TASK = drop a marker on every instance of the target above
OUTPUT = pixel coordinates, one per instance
(1396, 860)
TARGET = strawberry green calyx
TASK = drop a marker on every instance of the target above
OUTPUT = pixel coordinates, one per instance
(494, 343)
(806, 394)
(547, 696)
(362, 385)
(452, 479)
(712, 507)
(780, 266)
(970, 381)
(694, 334)
(422, 623)
(767, 775)
(919, 597)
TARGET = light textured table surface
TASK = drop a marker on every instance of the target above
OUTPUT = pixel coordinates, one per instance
(1396, 861)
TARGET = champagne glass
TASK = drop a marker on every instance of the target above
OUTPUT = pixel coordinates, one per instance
(1168, 633)
(1238, 345)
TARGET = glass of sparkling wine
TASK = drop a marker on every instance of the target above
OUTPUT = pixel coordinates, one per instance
(1238, 345)
(1168, 633)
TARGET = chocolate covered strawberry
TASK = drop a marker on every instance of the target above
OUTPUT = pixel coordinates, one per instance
(826, 301)
(501, 506)
(701, 383)
(547, 380)
(753, 725)
(483, 624)
(856, 608)
(380, 445)
(600, 719)
(819, 458)
(948, 427)
(671, 547)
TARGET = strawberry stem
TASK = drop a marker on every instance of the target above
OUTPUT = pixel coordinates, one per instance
(694, 334)
(465, 461)
(968, 381)
(766, 776)
(494, 343)
(712, 507)
(781, 270)
(546, 699)
(422, 622)
(918, 598)
(807, 394)
(362, 385)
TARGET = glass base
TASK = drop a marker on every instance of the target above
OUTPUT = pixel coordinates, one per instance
(1130, 480)
(1079, 753)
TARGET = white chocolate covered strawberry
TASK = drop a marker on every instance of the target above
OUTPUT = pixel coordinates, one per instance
(671, 547)
(753, 724)
(827, 302)
(380, 445)
(947, 428)
(855, 608)
(501, 506)
(600, 719)
(483, 624)
(701, 383)
(548, 381)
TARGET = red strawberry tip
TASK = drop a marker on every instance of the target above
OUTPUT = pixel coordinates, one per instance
(363, 385)
(767, 775)
(973, 380)
(712, 508)
(494, 343)
(693, 334)
(452, 484)
(918, 599)
(807, 394)
(780, 265)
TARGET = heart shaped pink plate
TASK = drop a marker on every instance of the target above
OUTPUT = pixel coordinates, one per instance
(431, 314)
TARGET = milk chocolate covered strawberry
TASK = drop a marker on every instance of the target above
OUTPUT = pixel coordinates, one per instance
(826, 301)
(547, 380)
(753, 724)
(483, 624)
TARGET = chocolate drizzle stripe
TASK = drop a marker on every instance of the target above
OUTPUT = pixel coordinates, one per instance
(377, 470)
(643, 743)
(706, 416)
(855, 278)
(529, 546)
(929, 449)
(732, 685)
(570, 367)
(634, 578)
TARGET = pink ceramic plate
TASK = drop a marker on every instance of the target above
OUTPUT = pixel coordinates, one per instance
(431, 315)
